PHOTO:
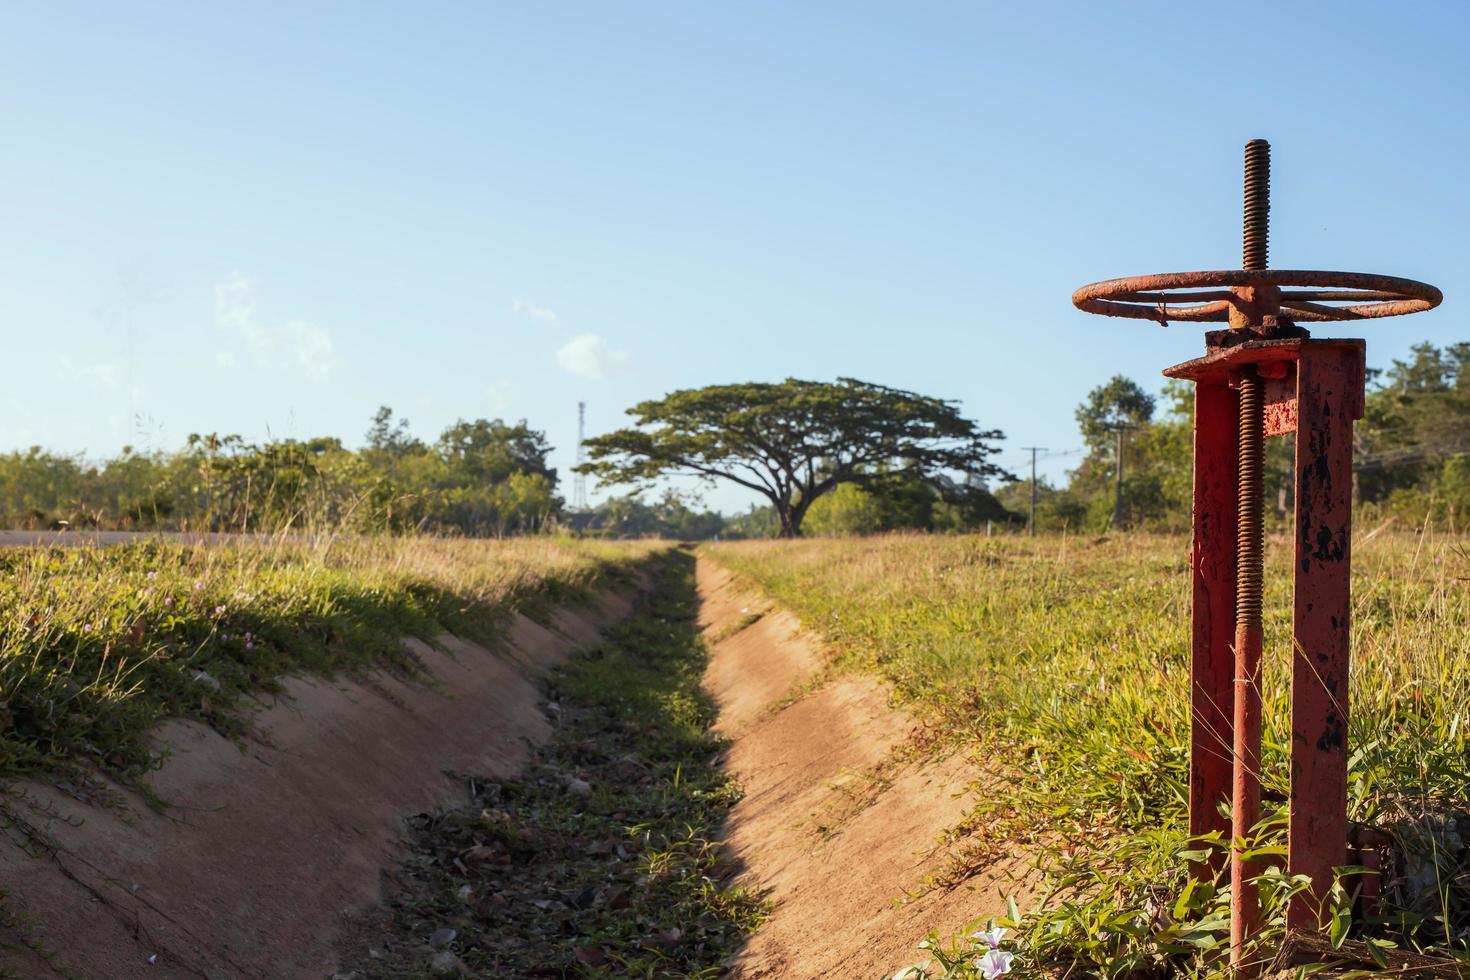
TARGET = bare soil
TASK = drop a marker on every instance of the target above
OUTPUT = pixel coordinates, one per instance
(834, 826)
(598, 860)
(266, 846)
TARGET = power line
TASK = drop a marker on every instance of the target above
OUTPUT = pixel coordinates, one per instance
(1049, 454)
(1409, 454)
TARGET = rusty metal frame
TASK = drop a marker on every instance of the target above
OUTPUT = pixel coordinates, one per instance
(1320, 393)
(1263, 378)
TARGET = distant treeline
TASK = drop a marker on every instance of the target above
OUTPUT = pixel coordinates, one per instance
(485, 478)
(478, 478)
(489, 477)
(908, 504)
(1412, 463)
(1412, 452)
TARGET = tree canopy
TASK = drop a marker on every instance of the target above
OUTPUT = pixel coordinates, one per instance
(1120, 403)
(483, 477)
(1412, 451)
(793, 441)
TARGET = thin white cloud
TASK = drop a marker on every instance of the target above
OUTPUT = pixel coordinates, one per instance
(526, 308)
(310, 346)
(106, 375)
(589, 356)
(499, 397)
(234, 308)
(301, 342)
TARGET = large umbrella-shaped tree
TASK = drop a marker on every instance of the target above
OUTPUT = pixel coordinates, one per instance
(793, 441)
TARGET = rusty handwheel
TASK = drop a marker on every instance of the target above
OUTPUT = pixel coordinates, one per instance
(1209, 296)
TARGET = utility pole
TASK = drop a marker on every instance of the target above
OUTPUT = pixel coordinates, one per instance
(1118, 431)
(1033, 450)
(579, 481)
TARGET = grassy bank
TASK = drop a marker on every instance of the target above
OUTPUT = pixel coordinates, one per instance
(100, 644)
(598, 861)
(1063, 662)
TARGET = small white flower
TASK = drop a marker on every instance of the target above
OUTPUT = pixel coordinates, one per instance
(916, 972)
(995, 963)
(990, 937)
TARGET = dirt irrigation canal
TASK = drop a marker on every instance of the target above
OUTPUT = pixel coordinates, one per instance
(670, 781)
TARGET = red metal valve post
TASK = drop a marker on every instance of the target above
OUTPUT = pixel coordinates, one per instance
(1263, 378)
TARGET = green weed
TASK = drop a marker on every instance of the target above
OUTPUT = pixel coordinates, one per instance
(600, 861)
(97, 645)
(1064, 662)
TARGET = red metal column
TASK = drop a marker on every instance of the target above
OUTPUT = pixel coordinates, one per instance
(1211, 668)
(1329, 398)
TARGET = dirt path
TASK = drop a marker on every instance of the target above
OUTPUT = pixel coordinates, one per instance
(833, 847)
(266, 846)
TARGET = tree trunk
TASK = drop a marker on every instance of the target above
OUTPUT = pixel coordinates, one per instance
(792, 517)
(790, 522)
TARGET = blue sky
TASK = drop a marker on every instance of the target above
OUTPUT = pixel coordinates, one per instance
(272, 218)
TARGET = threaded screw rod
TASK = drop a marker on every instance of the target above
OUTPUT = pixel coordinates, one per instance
(1249, 540)
(1249, 573)
(1257, 204)
(1250, 486)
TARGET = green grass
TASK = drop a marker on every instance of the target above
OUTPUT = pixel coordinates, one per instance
(98, 645)
(1063, 662)
(619, 879)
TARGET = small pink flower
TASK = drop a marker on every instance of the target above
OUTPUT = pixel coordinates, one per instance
(995, 964)
(990, 937)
